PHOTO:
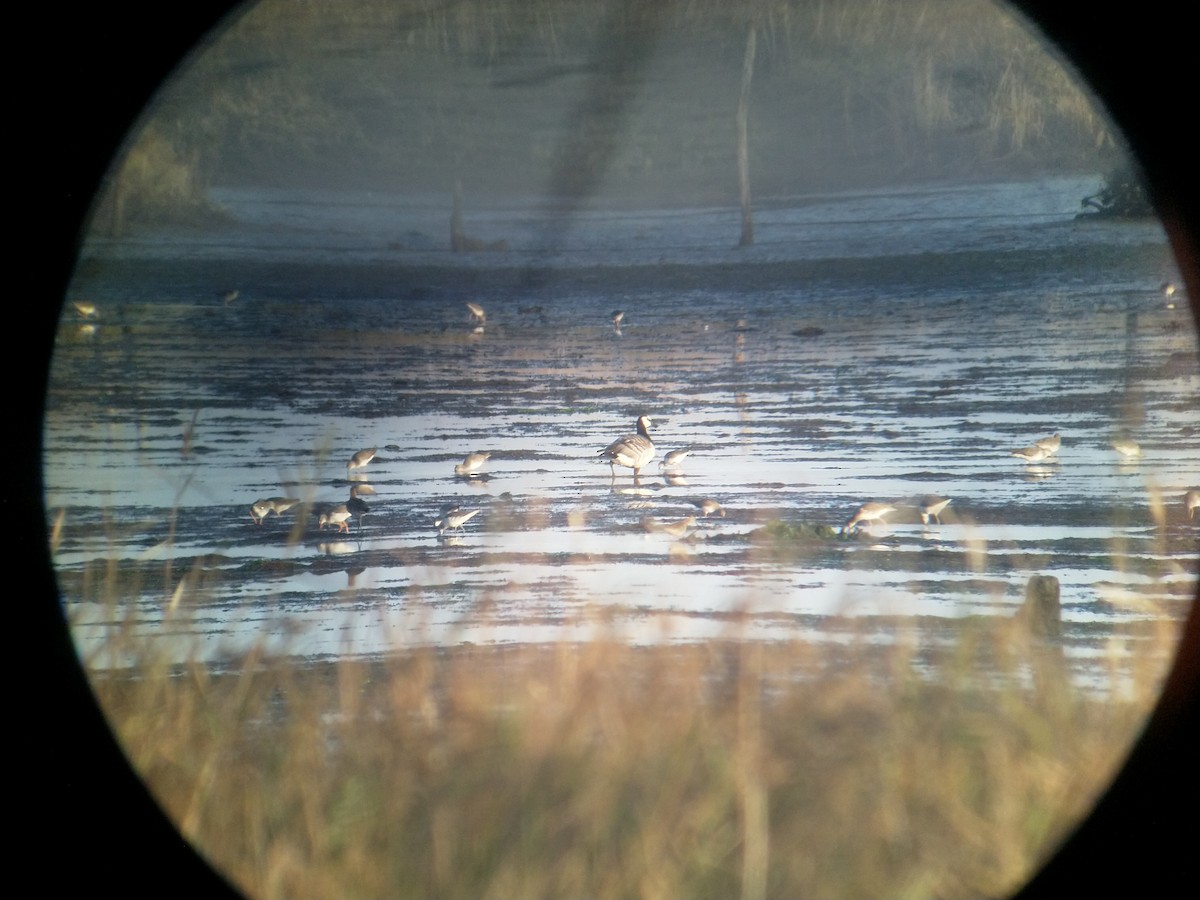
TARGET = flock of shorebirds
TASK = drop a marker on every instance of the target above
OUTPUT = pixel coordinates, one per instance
(1046, 449)
(1040, 451)
(635, 451)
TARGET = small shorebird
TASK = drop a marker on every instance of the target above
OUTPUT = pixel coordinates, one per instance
(1191, 501)
(360, 459)
(453, 518)
(85, 308)
(677, 529)
(708, 506)
(260, 509)
(673, 460)
(931, 508)
(477, 314)
(632, 451)
(1127, 447)
(1049, 444)
(868, 512)
(229, 296)
(472, 464)
(336, 515)
(1031, 454)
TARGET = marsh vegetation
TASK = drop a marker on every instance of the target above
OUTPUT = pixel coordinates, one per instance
(729, 768)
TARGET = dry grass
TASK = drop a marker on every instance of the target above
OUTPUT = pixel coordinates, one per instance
(730, 769)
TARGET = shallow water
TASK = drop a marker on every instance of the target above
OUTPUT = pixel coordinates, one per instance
(868, 348)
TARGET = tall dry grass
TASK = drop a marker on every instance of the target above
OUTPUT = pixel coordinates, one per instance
(735, 768)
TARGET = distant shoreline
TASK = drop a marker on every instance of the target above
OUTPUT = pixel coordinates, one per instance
(289, 278)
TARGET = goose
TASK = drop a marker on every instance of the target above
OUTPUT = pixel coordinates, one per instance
(673, 460)
(1049, 444)
(1127, 447)
(472, 464)
(868, 512)
(260, 509)
(1191, 501)
(1031, 454)
(632, 451)
(477, 312)
(356, 505)
(360, 459)
(453, 518)
(931, 508)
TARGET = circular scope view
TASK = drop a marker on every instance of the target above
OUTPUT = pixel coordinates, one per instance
(556, 448)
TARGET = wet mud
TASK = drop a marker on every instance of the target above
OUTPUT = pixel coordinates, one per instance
(801, 390)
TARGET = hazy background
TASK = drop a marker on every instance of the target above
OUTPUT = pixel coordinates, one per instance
(625, 100)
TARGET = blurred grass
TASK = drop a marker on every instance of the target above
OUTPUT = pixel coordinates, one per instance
(735, 768)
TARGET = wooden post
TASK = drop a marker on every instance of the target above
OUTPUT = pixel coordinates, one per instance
(743, 138)
(1042, 610)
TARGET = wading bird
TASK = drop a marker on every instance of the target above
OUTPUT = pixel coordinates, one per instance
(336, 515)
(453, 518)
(1049, 444)
(868, 513)
(356, 505)
(1127, 447)
(632, 451)
(708, 506)
(472, 464)
(260, 509)
(360, 459)
(676, 529)
(673, 461)
(1031, 454)
(931, 508)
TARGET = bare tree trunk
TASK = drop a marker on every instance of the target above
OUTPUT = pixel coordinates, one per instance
(743, 139)
(458, 240)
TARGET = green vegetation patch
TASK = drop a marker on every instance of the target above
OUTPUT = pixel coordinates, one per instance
(778, 531)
